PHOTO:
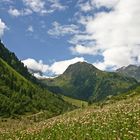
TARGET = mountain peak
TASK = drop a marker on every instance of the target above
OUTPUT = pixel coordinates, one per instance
(130, 71)
(132, 66)
(129, 67)
(80, 67)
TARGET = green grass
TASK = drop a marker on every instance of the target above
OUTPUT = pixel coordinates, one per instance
(75, 102)
(119, 120)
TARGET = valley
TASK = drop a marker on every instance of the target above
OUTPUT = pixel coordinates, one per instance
(82, 103)
(69, 69)
(114, 119)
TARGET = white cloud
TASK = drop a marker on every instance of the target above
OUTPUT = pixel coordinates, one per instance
(39, 68)
(3, 27)
(106, 3)
(37, 6)
(56, 5)
(14, 12)
(61, 30)
(35, 65)
(116, 33)
(80, 49)
(41, 7)
(100, 65)
(85, 7)
(80, 38)
(30, 28)
(38, 76)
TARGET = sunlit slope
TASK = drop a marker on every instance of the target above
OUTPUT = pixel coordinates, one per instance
(106, 121)
(19, 96)
(75, 102)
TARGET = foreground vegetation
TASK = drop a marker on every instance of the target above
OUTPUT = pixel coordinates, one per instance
(113, 120)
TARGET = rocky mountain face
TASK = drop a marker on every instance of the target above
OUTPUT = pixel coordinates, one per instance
(130, 71)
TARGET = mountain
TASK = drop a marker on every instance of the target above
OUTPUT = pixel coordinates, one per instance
(130, 71)
(19, 95)
(86, 82)
(12, 60)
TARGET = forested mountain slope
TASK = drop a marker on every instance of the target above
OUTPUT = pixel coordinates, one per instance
(19, 95)
(11, 59)
(86, 82)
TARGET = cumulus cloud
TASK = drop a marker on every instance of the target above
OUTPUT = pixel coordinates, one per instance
(39, 69)
(3, 27)
(116, 33)
(35, 65)
(39, 76)
(14, 12)
(61, 30)
(80, 49)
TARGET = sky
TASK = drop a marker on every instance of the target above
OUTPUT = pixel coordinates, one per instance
(49, 35)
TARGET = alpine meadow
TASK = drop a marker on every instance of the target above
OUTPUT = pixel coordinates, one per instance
(69, 70)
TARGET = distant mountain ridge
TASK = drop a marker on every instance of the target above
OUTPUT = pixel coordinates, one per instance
(130, 71)
(84, 81)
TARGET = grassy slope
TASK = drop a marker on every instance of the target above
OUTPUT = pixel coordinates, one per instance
(19, 96)
(115, 120)
(75, 102)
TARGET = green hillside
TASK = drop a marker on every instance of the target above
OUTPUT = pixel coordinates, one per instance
(75, 102)
(113, 120)
(11, 59)
(19, 96)
(84, 81)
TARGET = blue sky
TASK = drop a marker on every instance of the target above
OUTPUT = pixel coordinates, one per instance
(49, 35)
